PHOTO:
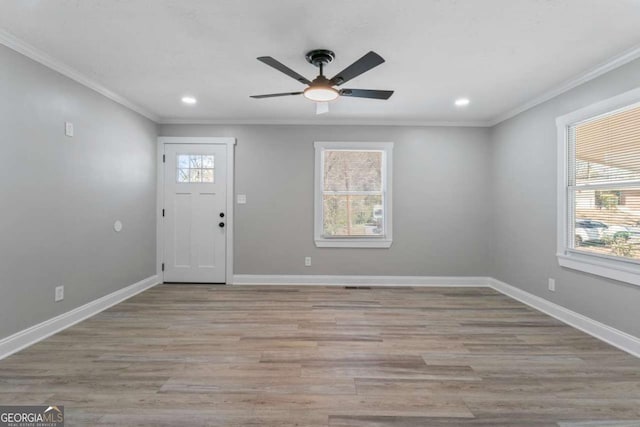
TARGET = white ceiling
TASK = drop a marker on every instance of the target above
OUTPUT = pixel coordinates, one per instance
(499, 53)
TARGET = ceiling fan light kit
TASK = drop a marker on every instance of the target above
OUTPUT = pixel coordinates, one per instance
(320, 93)
(322, 89)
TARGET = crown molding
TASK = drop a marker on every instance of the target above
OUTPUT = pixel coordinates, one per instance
(306, 122)
(12, 42)
(603, 68)
(9, 40)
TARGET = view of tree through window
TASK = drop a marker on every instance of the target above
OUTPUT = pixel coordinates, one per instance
(352, 193)
(604, 184)
(195, 168)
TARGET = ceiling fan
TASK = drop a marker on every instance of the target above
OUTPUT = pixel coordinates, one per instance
(321, 89)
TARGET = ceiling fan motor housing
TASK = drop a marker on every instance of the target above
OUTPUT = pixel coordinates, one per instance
(320, 57)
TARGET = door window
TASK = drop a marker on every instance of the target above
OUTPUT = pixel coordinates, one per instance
(195, 168)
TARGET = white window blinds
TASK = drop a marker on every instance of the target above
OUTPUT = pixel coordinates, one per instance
(604, 184)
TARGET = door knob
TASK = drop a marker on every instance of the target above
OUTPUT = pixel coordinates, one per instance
(221, 225)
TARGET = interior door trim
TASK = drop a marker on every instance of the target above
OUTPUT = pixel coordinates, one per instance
(230, 143)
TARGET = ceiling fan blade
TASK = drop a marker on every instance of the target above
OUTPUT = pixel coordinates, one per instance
(367, 93)
(283, 69)
(362, 65)
(273, 95)
(322, 107)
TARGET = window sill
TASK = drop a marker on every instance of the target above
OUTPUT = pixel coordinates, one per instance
(353, 243)
(611, 269)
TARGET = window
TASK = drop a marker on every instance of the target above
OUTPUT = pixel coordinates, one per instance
(195, 168)
(599, 188)
(353, 194)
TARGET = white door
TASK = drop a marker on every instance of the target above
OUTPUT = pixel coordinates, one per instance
(195, 219)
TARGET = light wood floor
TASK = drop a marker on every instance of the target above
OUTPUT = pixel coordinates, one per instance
(325, 356)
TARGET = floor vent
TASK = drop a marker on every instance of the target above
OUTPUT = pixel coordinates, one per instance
(357, 287)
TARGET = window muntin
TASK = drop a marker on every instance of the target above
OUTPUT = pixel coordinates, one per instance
(195, 168)
(353, 194)
(603, 185)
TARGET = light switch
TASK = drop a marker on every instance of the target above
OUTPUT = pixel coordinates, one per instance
(59, 294)
(68, 128)
(242, 199)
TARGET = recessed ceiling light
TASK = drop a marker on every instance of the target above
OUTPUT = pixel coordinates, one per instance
(462, 102)
(189, 100)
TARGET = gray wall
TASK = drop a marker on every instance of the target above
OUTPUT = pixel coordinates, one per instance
(440, 200)
(524, 212)
(60, 196)
(467, 201)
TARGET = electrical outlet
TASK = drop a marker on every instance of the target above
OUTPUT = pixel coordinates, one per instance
(59, 296)
(242, 199)
(68, 128)
(552, 285)
(307, 261)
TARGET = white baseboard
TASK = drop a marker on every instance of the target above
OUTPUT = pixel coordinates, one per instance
(32, 335)
(615, 337)
(330, 280)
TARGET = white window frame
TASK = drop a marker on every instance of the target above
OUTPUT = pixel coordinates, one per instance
(616, 268)
(383, 241)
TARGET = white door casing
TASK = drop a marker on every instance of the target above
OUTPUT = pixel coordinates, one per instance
(195, 180)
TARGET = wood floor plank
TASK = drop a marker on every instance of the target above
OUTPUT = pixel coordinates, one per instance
(326, 356)
(400, 421)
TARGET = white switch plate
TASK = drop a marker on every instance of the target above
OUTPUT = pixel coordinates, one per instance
(68, 128)
(242, 199)
(59, 296)
(307, 261)
(552, 285)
